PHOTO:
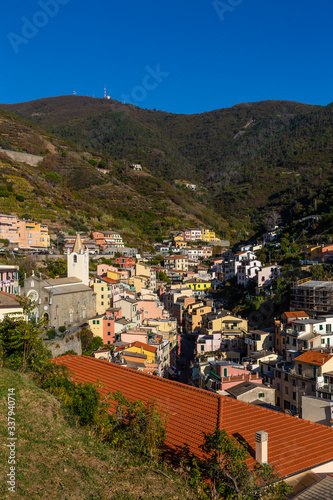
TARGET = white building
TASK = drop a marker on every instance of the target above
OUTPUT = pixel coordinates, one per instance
(247, 271)
(267, 274)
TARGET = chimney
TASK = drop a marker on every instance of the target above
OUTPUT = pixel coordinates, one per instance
(261, 447)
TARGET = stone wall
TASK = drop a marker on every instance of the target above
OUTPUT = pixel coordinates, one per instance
(32, 160)
(59, 346)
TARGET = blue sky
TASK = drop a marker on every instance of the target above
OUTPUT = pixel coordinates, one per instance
(182, 56)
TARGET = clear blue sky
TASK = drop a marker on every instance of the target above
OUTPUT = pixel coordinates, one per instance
(204, 59)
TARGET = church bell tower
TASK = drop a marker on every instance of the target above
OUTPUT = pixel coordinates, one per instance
(78, 262)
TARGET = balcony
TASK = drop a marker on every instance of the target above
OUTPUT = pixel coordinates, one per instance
(326, 388)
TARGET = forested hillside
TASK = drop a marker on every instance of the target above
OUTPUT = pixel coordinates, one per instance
(246, 161)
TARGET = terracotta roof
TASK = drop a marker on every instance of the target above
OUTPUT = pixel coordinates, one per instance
(108, 280)
(296, 314)
(293, 444)
(7, 300)
(146, 347)
(314, 358)
(174, 257)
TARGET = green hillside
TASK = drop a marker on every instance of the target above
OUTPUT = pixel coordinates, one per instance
(70, 189)
(55, 461)
(246, 161)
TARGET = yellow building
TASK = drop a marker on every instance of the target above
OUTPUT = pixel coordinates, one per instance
(113, 275)
(140, 348)
(139, 283)
(226, 323)
(193, 316)
(197, 284)
(103, 295)
(33, 234)
(208, 235)
(179, 241)
(96, 326)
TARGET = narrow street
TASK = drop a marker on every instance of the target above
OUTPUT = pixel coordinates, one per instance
(186, 356)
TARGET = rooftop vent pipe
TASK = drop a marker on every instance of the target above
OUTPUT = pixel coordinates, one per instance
(262, 447)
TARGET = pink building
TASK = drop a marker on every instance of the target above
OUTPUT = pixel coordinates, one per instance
(152, 309)
(103, 269)
(135, 335)
(208, 343)
(222, 375)
(109, 319)
(9, 279)
(206, 252)
(267, 274)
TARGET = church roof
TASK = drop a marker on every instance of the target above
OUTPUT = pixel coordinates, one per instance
(78, 245)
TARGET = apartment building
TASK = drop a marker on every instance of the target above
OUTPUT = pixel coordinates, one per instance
(176, 263)
(247, 271)
(24, 233)
(259, 340)
(304, 377)
(193, 316)
(312, 296)
(303, 334)
(9, 279)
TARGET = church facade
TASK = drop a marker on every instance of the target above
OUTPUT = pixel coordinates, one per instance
(65, 301)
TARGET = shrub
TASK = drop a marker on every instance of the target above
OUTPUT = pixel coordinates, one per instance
(51, 334)
(137, 426)
(53, 177)
(62, 329)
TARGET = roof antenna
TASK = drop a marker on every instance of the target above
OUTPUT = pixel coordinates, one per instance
(74, 92)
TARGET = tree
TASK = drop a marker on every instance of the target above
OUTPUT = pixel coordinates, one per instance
(20, 335)
(89, 342)
(225, 466)
(272, 220)
(138, 426)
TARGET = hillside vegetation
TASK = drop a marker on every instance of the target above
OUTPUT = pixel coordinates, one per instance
(247, 160)
(84, 190)
(56, 461)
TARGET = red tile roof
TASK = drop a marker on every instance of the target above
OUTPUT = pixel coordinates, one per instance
(293, 444)
(146, 347)
(296, 314)
(314, 358)
(108, 280)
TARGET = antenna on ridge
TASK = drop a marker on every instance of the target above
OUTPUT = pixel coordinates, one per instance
(105, 95)
(74, 92)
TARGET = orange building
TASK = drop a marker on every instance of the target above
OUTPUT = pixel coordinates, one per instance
(24, 233)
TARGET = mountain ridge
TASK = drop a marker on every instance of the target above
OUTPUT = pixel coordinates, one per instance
(246, 160)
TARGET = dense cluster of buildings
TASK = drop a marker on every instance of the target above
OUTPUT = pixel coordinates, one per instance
(143, 312)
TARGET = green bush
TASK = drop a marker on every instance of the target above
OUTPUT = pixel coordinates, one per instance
(62, 329)
(51, 334)
(53, 177)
